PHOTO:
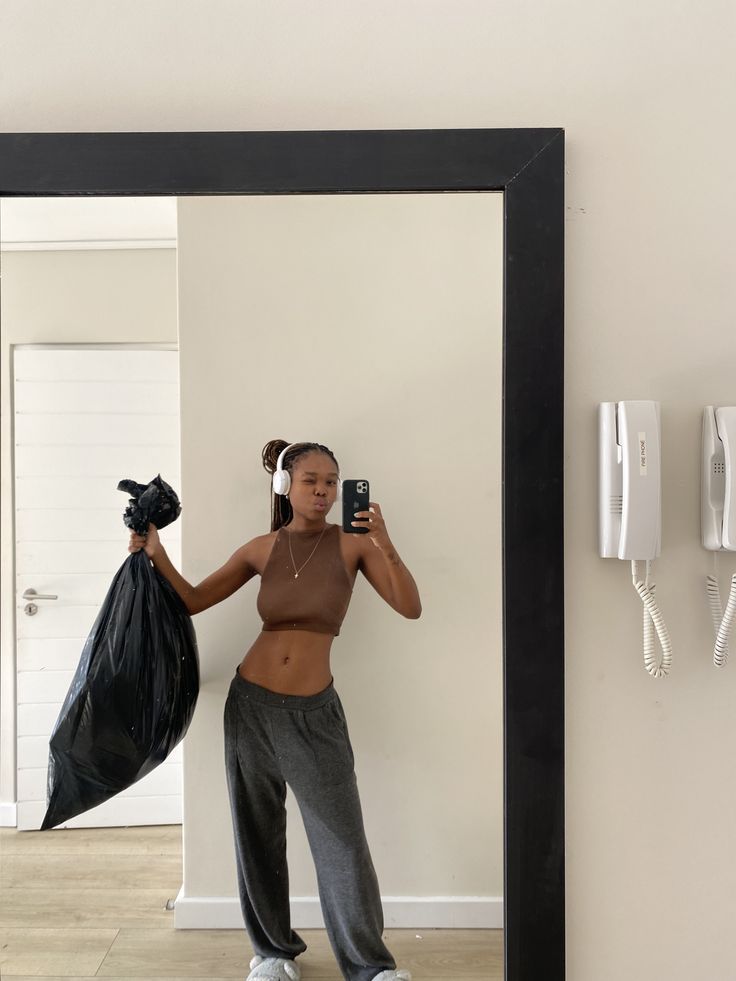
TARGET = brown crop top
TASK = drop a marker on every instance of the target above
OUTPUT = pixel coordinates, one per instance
(318, 599)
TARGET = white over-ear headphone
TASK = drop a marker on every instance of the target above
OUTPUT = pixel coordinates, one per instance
(281, 482)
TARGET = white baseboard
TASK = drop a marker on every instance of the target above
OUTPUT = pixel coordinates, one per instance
(9, 815)
(400, 912)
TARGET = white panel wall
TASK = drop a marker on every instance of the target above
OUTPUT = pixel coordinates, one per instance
(79, 391)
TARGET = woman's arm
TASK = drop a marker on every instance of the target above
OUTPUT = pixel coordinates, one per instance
(381, 564)
(215, 588)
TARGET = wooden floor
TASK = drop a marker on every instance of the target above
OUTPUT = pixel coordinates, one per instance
(94, 904)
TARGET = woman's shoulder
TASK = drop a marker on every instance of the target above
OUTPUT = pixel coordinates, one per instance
(347, 535)
(256, 551)
(260, 541)
(351, 547)
(268, 537)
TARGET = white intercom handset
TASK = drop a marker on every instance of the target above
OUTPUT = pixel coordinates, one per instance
(630, 506)
(718, 512)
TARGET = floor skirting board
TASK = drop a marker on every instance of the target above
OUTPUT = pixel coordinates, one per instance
(400, 912)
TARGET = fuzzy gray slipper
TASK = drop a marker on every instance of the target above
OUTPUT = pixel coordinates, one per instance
(273, 969)
(393, 976)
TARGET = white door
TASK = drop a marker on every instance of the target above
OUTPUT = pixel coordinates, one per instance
(85, 418)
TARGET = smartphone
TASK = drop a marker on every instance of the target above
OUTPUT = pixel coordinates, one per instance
(355, 497)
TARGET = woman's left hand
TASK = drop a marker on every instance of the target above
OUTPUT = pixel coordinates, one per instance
(376, 525)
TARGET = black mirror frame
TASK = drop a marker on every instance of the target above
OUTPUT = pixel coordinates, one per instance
(528, 166)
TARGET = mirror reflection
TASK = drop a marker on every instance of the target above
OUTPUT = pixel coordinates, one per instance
(370, 325)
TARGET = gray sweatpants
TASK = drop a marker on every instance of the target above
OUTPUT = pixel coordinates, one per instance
(271, 740)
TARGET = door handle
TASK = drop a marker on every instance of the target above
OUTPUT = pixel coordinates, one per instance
(31, 594)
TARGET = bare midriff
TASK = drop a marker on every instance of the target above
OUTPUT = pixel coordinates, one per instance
(291, 662)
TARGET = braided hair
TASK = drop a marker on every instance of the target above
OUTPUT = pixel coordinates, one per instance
(281, 512)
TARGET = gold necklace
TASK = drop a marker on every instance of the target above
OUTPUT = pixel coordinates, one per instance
(296, 574)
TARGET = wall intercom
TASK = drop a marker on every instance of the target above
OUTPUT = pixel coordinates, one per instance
(629, 484)
(718, 513)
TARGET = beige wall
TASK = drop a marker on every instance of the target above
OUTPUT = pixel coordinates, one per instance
(645, 92)
(86, 297)
(371, 324)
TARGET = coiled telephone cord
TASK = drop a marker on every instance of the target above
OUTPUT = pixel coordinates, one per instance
(723, 622)
(652, 619)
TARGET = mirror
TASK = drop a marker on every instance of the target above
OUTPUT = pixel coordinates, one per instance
(527, 166)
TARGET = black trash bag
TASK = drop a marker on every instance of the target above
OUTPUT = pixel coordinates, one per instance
(133, 694)
(155, 503)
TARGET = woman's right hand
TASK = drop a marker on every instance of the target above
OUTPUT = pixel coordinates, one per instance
(149, 543)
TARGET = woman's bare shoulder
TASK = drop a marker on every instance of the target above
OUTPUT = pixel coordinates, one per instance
(345, 536)
(262, 539)
(351, 548)
(257, 550)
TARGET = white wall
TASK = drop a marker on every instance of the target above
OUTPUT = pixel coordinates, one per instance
(645, 92)
(372, 324)
(66, 298)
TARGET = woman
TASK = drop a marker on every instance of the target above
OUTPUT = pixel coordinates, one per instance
(284, 721)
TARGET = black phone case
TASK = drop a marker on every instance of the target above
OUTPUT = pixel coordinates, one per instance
(356, 496)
